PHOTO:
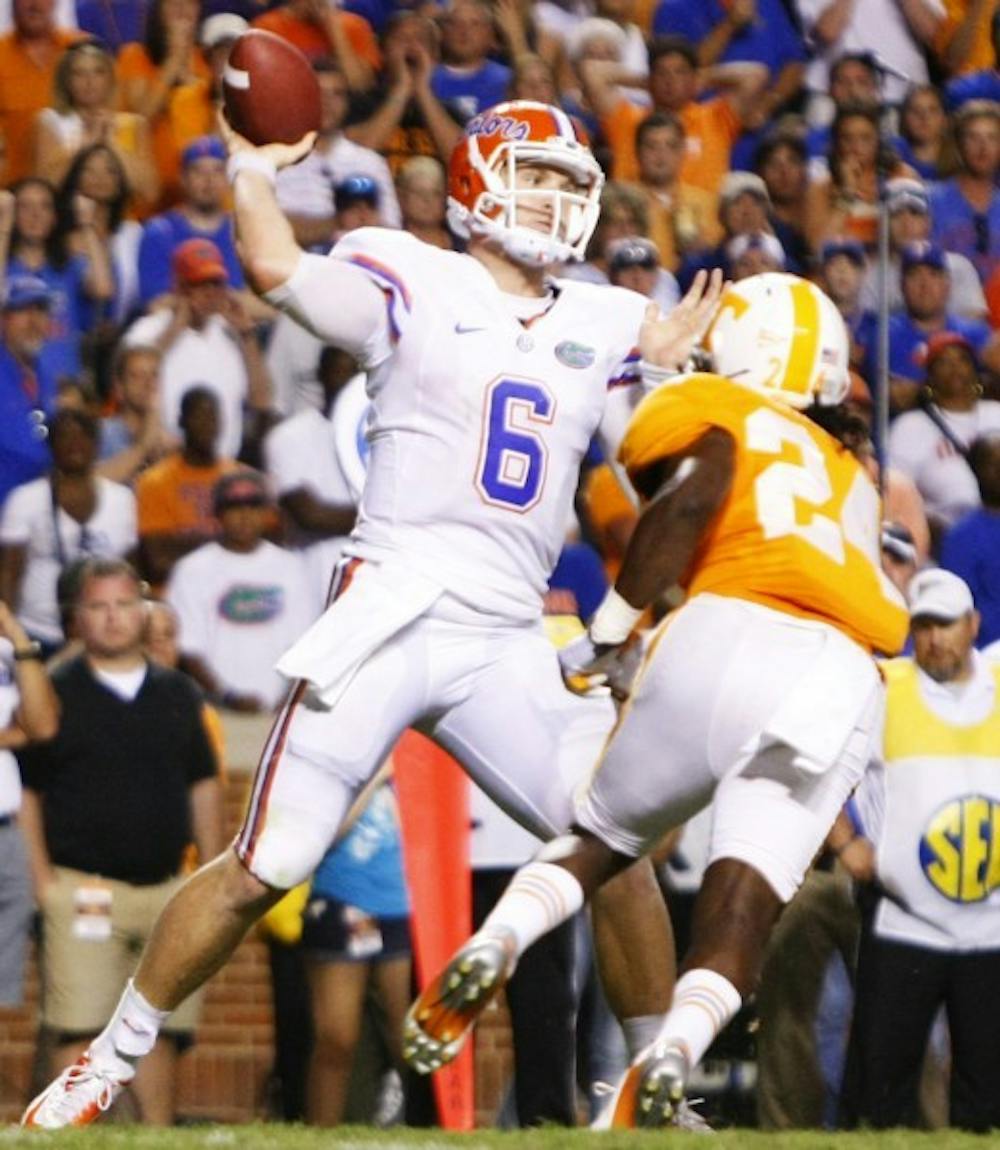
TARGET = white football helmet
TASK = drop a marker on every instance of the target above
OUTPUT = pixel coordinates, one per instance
(483, 196)
(782, 335)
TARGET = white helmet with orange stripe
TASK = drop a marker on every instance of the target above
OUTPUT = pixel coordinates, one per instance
(782, 335)
(487, 195)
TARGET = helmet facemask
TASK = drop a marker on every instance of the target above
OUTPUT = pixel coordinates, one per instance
(494, 214)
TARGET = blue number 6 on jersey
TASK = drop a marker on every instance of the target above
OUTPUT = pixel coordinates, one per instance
(513, 456)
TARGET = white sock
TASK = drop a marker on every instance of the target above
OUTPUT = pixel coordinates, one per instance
(540, 897)
(131, 1033)
(640, 1032)
(703, 1003)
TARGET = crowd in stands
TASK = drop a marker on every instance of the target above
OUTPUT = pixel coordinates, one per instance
(152, 407)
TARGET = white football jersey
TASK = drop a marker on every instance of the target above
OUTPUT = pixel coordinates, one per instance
(479, 421)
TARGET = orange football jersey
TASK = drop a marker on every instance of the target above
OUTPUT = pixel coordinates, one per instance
(799, 530)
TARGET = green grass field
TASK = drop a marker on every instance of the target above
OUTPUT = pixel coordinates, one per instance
(275, 1137)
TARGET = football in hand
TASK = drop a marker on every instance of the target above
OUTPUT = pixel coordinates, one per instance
(269, 90)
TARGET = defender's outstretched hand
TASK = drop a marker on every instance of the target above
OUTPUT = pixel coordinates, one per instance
(281, 155)
(594, 669)
(667, 341)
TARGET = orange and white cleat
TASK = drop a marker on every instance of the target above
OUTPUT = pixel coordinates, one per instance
(440, 1020)
(81, 1094)
(651, 1095)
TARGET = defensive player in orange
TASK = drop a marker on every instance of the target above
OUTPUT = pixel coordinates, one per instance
(759, 695)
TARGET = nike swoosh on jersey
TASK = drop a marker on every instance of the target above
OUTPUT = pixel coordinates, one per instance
(466, 329)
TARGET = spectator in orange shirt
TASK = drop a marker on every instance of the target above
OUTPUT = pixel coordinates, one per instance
(167, 80)
(963, 42)
(321, 29)
(174, 496)
(28, 58)
(711, 127)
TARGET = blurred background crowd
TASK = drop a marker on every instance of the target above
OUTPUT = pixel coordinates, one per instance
(152, 408)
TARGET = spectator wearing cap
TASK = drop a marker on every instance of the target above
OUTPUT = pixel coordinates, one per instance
(711, 127)
(634, 263)
(174, 496)
(842, 265)
(320, 29)
(900, 557)
(971, 548)
(909, 207)
(84, 113)
(742, 31)
(306, 189)
(166, 80)
(356, 204)
(932, 444)
(208, 336)
(926, 808)
(781, 161)
(67, 515)
(966, 208)
(201, 214)
(754, 253)
(29, 53)
(926, 286)
(682, 217)
(744, 207)
(28, 383)
(240, 600)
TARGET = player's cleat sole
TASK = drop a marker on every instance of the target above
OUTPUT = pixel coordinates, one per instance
(81, 1094)
(438, 1023)
(651, 1096)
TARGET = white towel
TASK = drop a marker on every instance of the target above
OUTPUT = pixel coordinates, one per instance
(380, 601)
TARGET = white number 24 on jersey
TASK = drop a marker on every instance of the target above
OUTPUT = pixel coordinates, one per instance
(783, 486)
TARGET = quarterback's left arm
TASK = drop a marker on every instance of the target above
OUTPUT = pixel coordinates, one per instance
(686, 492)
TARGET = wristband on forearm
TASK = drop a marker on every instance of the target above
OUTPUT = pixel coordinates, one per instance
(251, 162)
(614, 620)
(653, 375)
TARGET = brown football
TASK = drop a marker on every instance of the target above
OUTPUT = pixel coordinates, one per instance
(269, 90)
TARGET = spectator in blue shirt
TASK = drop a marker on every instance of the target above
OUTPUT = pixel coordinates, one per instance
(755, 31)
(926, 285)
(27, 384)
(467, 81)
(972, 547)
(966, 208)
(200, 215)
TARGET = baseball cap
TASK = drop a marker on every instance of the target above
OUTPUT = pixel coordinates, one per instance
(843, 246)
(243, 488)
(923, 254)
(353, 190)
(633, 252)
(198, 261)
(939, 594)
(26, 291)
(201, 148)
(941, 340)
(898, 542)
(903, 193)
(764, 242)
(737, 183)
(221, 28)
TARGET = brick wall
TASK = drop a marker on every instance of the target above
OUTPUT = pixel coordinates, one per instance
(224, 1077)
